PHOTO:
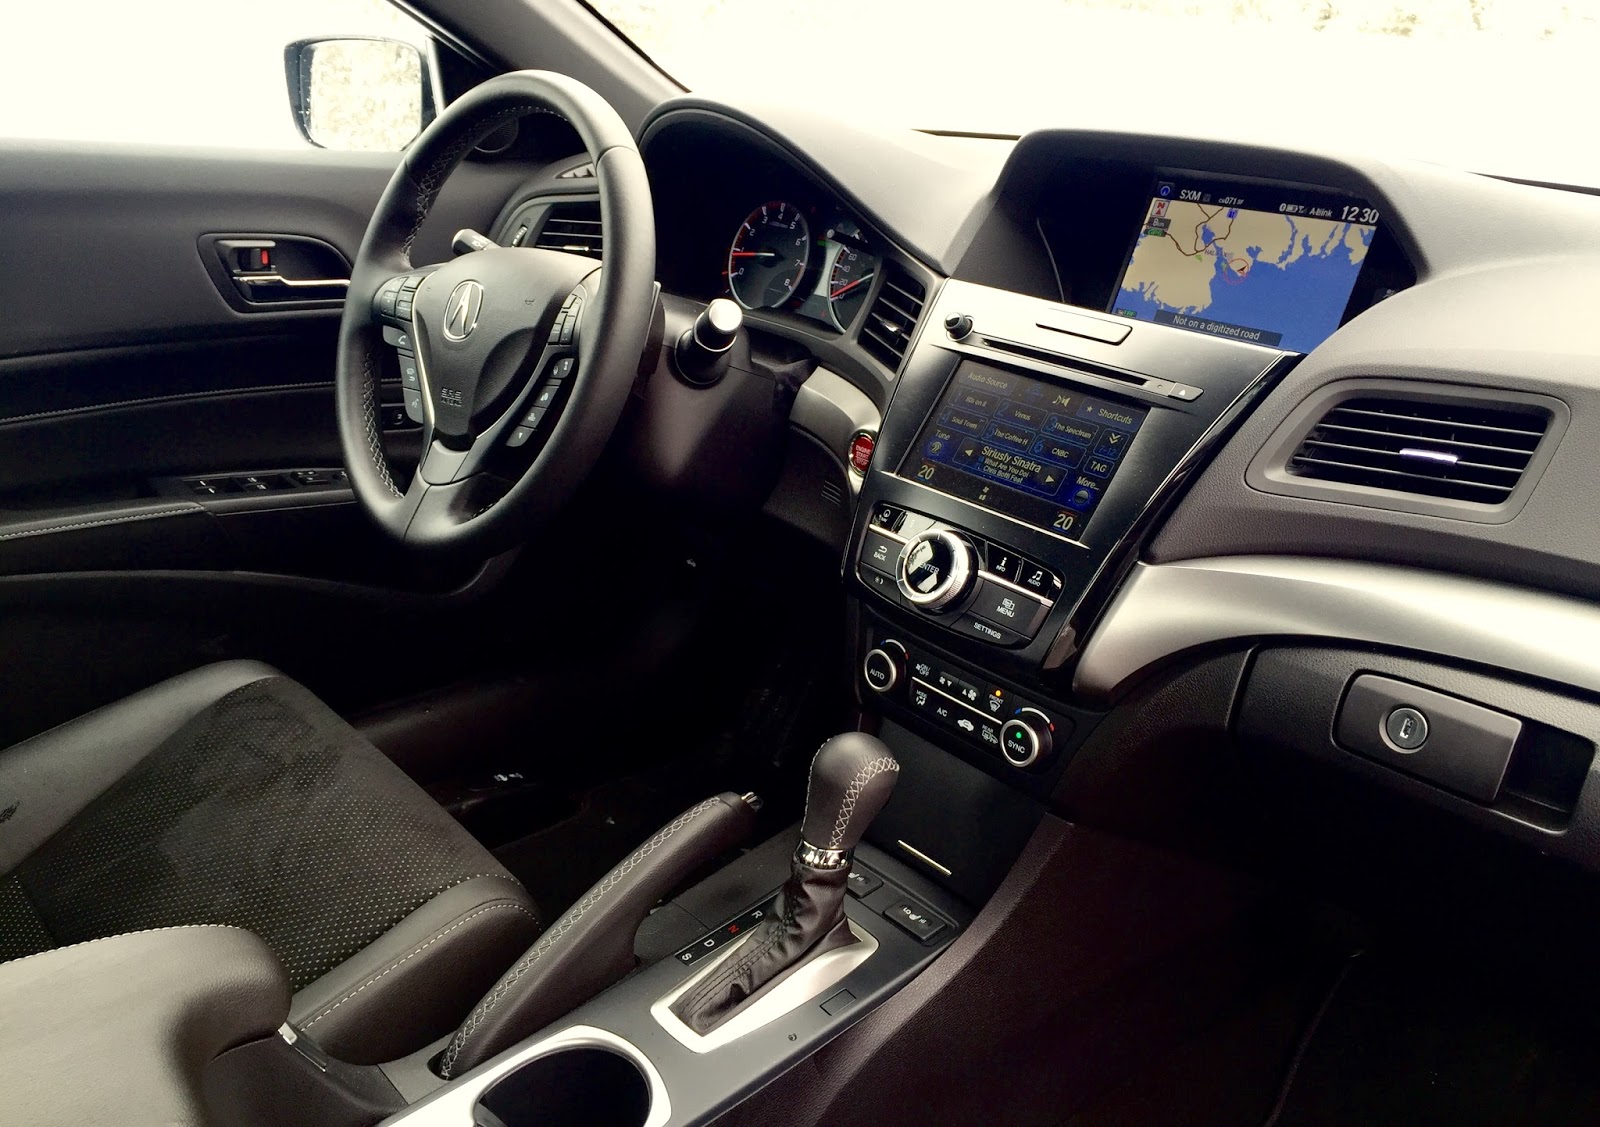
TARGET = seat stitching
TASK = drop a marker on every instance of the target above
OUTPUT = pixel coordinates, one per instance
(847, 808)
(566, 923)
(437, 936)
(121, 935)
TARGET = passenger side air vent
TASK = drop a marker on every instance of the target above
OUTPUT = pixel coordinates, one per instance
(1474, 452)
(890, 323)
(572, 227)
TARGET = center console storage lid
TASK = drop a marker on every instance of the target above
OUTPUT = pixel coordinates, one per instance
(118, 1030)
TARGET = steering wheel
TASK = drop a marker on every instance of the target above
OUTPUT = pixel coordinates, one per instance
(523, 358)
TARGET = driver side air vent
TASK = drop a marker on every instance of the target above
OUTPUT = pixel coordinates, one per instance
(572, 227)
(890, 323)
(1463, 452)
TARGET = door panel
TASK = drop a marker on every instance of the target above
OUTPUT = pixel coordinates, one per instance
(124, 369)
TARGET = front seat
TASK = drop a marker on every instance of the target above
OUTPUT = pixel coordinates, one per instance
(231, 795)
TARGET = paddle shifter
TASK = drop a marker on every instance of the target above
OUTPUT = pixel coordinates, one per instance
(852, 777)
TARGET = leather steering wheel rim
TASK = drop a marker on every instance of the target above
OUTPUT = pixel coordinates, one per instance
(488, 511)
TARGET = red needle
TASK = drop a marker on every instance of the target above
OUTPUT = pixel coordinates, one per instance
(848, 286)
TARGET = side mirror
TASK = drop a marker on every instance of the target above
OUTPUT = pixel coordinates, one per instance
(358, 94)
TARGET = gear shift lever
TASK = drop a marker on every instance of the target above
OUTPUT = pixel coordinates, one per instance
(852, 777)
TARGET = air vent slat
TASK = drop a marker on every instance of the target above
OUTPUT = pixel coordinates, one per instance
(892, 321)
(1474, 451)
(573, 228)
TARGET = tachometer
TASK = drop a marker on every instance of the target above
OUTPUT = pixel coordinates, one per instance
(769, 256)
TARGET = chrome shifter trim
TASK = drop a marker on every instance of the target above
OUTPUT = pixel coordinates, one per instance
(816, 858)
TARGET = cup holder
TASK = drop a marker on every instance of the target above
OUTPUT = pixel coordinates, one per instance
(580, 1085)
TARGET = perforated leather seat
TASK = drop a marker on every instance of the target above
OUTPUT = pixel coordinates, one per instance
(231, 795)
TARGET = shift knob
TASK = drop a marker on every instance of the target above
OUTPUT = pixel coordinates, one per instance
(852, 777)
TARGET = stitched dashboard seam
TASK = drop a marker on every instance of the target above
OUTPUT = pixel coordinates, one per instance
(154, 514)
(566, 923)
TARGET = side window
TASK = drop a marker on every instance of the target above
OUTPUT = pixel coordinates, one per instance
(289, 74)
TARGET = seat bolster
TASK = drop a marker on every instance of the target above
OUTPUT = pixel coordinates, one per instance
(419, 980)
(47, 780)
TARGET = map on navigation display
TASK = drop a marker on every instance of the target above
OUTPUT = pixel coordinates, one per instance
(1280, 278)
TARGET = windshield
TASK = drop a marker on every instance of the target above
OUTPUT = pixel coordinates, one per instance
(1498, 86)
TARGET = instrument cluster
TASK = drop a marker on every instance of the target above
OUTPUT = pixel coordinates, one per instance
(812, 262)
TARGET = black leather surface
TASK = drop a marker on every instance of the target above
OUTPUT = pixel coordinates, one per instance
(591, 946)
(416, 982)
(852, 776)
(808, 920)
(119, 1030)
(233, 796)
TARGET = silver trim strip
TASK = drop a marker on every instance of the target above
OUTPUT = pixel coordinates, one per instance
(921, 856)
(818, 858)
(280, 280)
(1164, 610)
(1079, 544)
(451, 1106)
(809, 982)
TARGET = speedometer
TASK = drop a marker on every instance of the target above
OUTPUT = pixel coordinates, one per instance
(769, 256)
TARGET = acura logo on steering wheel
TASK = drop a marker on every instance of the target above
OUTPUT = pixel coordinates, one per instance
(461, 310)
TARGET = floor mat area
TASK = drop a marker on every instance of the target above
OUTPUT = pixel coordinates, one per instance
(1419, 1039)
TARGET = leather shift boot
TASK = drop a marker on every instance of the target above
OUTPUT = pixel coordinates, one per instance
(807, 919)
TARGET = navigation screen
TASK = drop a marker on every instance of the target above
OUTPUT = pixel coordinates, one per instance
(1264, 264)
(1030, 449)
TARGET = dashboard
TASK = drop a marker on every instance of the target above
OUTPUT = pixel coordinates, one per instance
(1074, 408)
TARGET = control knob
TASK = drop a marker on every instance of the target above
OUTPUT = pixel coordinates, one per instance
(936, 569)
(1025, 739)
(884, 666)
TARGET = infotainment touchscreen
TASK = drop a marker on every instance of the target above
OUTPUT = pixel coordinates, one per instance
(1268, 264)
(1037, 451)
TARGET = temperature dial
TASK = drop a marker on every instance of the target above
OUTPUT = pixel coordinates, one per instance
(1026, 738)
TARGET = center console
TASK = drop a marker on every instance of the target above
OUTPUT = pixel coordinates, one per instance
(1028, 449)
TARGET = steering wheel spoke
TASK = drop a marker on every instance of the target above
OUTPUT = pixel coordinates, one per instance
(488, 342)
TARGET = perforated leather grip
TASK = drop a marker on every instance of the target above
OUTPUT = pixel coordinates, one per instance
(852, 777)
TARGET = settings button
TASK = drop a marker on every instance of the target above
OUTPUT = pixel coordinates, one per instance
(1004, 605)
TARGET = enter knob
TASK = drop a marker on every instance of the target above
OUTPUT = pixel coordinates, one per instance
(936, 569)
(1026, 738)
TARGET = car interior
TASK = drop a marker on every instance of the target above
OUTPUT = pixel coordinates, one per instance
(645, 609)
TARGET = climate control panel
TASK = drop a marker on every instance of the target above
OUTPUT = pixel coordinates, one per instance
(976, 587)
(962, 703)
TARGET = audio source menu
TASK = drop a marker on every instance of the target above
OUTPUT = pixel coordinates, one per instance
(1038, 451)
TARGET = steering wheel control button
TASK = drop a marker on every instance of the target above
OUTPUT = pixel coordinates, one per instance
(1004, 605)
(1453, 743)
(414, 406)
(409, 376)
(913, 918)
(519, 436)
(936, 569)
(1407, 728)
(880, 670)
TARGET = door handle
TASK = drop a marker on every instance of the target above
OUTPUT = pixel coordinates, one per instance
(271, 279)
(260, 273)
